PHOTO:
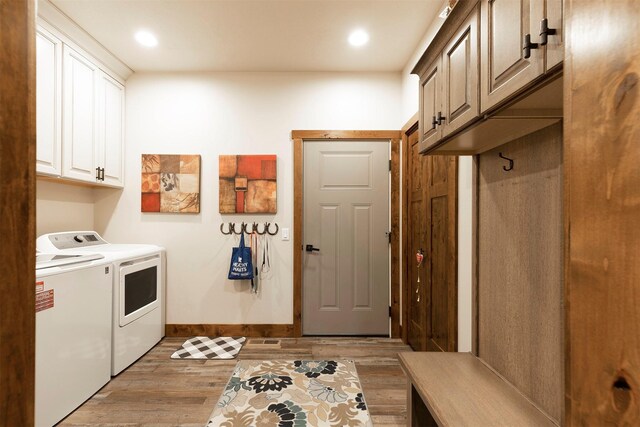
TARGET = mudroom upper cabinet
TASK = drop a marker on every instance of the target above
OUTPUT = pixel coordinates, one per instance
(431, 104)
(449, 85)
(520, 41)
(48, 103)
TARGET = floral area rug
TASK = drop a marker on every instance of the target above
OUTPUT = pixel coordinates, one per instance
(294, 393)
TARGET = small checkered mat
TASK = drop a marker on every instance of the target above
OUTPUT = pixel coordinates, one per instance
(209, 348)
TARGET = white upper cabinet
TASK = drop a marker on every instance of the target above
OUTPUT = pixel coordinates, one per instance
(80, 113)
(80, 117)
(111, 130)
(48, 102)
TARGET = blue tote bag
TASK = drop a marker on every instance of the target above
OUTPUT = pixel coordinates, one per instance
(241, 267)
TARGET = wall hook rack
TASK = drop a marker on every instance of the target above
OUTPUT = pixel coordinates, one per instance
(505, 168)
(249, 228)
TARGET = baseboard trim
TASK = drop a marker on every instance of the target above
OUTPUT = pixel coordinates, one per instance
(215, 330)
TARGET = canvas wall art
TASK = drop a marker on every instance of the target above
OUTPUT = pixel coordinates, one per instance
(248, 184)
(170, 183)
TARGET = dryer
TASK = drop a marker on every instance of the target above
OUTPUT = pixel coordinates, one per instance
(138, 310)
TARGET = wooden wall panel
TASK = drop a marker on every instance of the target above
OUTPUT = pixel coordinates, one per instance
(520, 267)
(17, 210)
(602, 158)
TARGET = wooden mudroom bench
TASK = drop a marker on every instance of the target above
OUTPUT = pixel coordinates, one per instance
(458, 389)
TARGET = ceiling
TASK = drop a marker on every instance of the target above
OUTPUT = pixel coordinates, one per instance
(257, 35)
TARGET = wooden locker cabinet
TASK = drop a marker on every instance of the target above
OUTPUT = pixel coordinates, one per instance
(507, 28)
(449, 86)
(460, 72)
(48, 102)
(431, 105)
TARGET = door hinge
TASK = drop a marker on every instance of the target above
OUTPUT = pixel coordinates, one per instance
(389, 165)
(389, 311)
(388, 233)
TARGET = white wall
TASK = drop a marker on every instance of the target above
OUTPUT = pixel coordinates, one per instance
(230, 113)
(410, 105)
(63, 207)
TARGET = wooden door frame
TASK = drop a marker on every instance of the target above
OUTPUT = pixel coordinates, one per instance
(17, 202)
(387, 136)
(411, 126)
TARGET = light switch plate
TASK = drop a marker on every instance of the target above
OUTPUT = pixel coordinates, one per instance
(285, 234)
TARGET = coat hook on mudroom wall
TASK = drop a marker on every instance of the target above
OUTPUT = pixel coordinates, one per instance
(249, 228)
(505, 168)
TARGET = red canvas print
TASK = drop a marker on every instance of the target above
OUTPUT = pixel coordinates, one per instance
(248, 183)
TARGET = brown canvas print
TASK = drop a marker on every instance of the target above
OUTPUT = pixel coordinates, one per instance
(248, 183)
(170, 183)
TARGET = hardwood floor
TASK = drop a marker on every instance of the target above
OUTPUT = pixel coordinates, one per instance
(159, 391)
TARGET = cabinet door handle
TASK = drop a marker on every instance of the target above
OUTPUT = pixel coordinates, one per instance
(440, 118)
(102, 174)
(545, 31)
(434, 123)
(528, 46)
(98, 174)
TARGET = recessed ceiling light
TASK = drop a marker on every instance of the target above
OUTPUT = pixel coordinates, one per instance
(145, 38)
(358, 38)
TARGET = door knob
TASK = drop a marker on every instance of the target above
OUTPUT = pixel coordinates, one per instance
(310, 248)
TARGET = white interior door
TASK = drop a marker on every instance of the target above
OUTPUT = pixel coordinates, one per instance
(346, 216)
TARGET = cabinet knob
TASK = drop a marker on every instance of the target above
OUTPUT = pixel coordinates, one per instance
(528, 46)
(545, 31)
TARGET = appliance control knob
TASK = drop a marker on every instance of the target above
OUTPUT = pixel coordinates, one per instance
(78, 239)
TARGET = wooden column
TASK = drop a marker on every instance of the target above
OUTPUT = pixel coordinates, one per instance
(602, 208)
(17, 210)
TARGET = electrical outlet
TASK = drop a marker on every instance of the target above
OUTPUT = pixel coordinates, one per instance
(285, 234)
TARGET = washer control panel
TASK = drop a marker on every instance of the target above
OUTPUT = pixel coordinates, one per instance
(69, 240)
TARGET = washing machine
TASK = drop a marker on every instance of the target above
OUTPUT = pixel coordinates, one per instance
(138, 309)
(73, 332)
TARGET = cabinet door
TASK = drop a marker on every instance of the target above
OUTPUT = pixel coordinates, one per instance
(460, 72)
(80, 118)
(111, 130)
(48, 102)
(430, 105)
(504, 68)
(555, 42)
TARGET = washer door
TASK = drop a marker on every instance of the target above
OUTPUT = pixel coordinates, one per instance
(139, 289)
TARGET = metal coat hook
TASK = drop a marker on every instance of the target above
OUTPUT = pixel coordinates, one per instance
(249, 228)
(506, 169)
(230, 229)
(268, 229)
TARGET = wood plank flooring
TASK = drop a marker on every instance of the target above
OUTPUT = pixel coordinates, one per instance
(158, 391)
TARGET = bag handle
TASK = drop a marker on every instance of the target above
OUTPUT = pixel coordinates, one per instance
(241, 240)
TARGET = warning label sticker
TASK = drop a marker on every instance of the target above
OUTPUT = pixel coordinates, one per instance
(40, 286)
(44, 300)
